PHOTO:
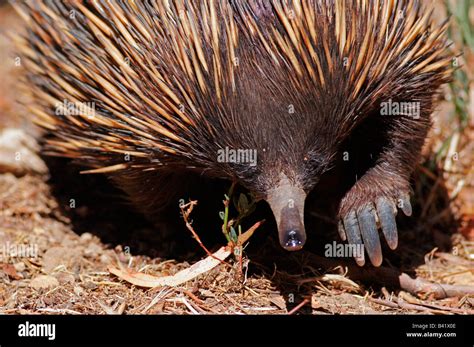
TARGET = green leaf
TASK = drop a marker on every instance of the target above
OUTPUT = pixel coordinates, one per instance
(243, 203)
(233, 235)
(235, 201)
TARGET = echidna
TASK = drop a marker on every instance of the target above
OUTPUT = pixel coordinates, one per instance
(160, 89)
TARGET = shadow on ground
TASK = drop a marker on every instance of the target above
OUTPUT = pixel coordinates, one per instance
(95, 206)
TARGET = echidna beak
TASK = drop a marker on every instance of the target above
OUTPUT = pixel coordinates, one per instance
(291, 230)
(287, 203)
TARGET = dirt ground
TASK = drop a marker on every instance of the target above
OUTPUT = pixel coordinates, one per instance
(60, 233)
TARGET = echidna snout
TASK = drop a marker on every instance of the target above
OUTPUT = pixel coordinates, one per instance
(287, 203)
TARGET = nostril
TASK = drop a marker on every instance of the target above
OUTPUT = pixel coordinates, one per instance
(293, 241)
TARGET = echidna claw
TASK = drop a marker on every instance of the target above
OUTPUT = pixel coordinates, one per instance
(342, 232)
(351, 226)
(405, 205)
(386, 211)
(368, 230)
(361, 227)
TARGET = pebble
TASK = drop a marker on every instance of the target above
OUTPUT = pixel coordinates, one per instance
(20, 267)
(44, 282)
(60, 256)
(86, 237)
(78, 290)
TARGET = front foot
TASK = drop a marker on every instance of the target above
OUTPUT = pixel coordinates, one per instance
(369, 206)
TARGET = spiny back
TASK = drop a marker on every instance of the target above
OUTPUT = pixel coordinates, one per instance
(171, 82)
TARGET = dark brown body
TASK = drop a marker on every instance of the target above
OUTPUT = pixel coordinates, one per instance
(300, 84)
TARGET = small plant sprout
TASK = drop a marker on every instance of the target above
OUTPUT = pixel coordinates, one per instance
(231, 227)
